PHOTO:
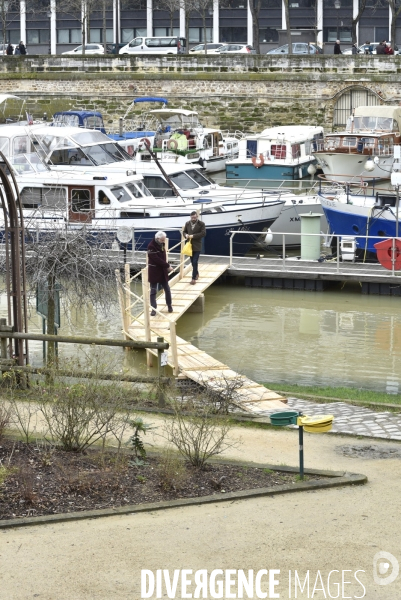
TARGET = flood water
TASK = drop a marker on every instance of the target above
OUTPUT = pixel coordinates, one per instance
(336, 338)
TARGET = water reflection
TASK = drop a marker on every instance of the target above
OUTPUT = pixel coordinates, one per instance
(328, 338)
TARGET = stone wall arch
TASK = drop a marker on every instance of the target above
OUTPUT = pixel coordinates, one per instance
(349, 98)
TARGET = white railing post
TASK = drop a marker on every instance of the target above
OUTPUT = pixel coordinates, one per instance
(128, 317)
(338, 253)
(173, 346)
(231, 248)
(121, 298)
(146, 315)
(182, 258)
(283, 250)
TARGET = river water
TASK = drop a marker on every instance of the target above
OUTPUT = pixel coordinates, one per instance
(334, 338)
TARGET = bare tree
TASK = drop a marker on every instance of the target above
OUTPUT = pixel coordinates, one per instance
(202, 7)
(170, 6)
(81, 11)
(355, 21)
(76, 261)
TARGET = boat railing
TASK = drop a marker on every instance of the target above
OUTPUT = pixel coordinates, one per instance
(328, 241)
(361, 147)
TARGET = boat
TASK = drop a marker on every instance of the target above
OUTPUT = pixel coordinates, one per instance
(276, 153)
(180, 137)
(89, 119)
(365, 218)
(53, 199)
(365, 148)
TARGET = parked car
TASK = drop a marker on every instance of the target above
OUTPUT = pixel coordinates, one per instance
(297, 48)
(155, 45)
(236, 48)
(89, 49)
(361, 49)
(211, 48)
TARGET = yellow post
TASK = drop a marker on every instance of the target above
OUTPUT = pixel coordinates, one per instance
(146, 316)
(173, 346)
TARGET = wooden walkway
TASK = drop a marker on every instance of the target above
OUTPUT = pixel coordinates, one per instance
(185, 359)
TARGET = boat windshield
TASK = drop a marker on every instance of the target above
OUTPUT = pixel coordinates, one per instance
(121, 193)
(198, 177)
(184, 182)
(138, 189)
(85, 138)
(179, 121)
(371, 124)
(99, 155)
(28, 163)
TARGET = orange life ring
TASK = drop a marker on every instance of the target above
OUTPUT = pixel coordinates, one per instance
(146, 142)
(258, 161)
(172, 144)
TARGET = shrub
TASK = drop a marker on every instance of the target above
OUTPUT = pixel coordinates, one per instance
(139, 427)
(172, 471)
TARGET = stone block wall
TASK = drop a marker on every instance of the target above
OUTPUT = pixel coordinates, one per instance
(239, 100)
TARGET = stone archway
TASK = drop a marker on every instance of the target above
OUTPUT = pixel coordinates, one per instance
(350, 99)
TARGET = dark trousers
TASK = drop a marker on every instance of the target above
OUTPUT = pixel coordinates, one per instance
(153, 292)
(194, 260)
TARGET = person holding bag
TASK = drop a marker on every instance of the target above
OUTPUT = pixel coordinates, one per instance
(158, 271)
(194, 230)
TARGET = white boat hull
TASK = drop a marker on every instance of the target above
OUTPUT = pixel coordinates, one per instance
(342, 167)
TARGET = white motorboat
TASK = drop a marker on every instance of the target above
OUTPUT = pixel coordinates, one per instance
(365, 149)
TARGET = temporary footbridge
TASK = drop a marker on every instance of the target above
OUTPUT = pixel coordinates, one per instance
(186, 360)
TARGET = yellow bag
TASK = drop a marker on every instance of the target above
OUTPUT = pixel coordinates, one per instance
(187, 249)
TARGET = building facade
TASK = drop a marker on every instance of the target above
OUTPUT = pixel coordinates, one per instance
(56, 28)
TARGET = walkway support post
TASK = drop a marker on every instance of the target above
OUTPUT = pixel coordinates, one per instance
(146, 315)
(173, 346)
(162, 398)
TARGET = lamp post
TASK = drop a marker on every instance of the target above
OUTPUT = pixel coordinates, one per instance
(337, 6)
(49, 16)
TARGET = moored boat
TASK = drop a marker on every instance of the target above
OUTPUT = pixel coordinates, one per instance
(276, 153)
(365, 148)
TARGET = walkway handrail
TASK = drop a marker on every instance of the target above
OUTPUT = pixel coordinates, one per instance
(320, 235)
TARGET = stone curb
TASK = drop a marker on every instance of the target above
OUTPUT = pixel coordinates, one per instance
(338, 479)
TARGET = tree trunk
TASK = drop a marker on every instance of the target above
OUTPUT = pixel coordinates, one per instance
(288, 26)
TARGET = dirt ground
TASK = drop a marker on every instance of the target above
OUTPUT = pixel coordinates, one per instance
(322, 531)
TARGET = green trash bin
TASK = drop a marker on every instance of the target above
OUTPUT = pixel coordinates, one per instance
(286, 417)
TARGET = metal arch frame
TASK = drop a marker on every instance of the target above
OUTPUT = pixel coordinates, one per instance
(15, 257)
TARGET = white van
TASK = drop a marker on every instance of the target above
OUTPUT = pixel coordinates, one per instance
(155, 45)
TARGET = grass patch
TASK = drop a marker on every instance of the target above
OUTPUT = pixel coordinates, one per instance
(336, 393)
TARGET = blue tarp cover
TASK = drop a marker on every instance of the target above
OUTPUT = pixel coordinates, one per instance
(130, 135)
(150, 99)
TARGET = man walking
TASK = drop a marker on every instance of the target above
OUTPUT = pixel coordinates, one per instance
(194, 230)
(158, 270)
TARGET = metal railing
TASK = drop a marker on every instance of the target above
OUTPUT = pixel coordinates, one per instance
(288, 262)
(125, 295)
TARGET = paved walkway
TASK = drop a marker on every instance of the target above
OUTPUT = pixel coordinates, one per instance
(354, 420)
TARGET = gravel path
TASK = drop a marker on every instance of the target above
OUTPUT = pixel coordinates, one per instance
(339, 529)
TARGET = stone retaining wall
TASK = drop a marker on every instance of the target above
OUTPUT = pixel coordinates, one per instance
(300, 90)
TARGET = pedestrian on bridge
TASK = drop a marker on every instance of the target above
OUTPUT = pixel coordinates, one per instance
(194, 230)
(158, 270)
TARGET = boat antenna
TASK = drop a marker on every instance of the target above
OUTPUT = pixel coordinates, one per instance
(163, 172)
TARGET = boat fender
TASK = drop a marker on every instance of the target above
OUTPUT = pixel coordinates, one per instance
(172, 144)
(145, 142)
(258, 161)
